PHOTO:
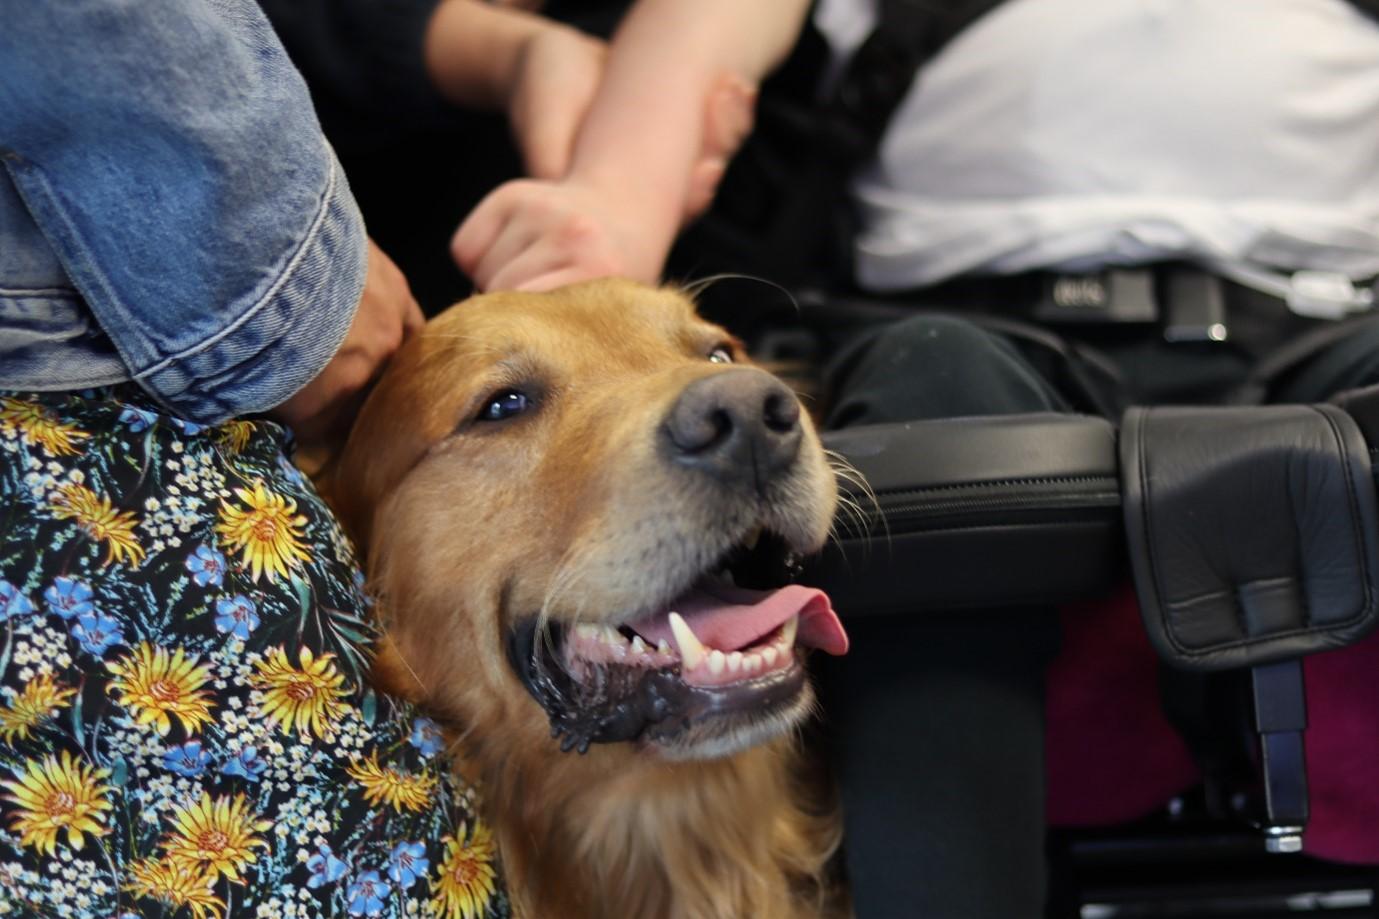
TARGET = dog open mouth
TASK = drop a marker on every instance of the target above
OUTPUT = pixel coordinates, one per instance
(709, 673)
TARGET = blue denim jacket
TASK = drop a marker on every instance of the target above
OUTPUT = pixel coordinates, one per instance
(169, 210)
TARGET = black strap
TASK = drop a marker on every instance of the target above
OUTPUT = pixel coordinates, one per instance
(907, 35)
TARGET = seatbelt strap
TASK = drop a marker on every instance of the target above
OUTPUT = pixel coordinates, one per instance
(1370, 7)
(907, 35)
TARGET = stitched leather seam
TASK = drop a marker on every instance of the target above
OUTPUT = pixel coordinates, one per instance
(998, 483)
(1356, 526)
(1150, 548)
(974, 527)
(1219, 594)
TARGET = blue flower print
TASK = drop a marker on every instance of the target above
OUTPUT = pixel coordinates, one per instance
(188, 759)
(247, 765)
(359, 587)
(207, 566)
(285, 466)
(236, 616)
(190, 428)
(427, 737)
(12, 602)
(68, 598)
(97, 632)
(141, 664)
(325, 868)
(137, 419)
(367, 893)
(407, 863)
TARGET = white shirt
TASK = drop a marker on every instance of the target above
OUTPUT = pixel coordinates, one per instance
(1072, 134)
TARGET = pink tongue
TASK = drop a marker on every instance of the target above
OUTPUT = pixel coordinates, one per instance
(729, 618)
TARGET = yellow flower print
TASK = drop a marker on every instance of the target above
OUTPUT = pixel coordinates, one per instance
(100, 521)
(154, 683)
(38, 426)
(176, 885)
(39, 699)
(53, 794)
(268, 533)
(386, 785)
(465, 881)
(234, 435)
(305, 699)
(216, 836)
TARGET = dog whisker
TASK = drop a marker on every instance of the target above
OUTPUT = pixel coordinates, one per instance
(693, 289)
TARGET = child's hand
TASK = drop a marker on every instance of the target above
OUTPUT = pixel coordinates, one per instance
(558, 71)
(537, 235)
(730, 113)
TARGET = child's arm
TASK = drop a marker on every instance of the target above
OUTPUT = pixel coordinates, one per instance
(673, 104)
(542, 73)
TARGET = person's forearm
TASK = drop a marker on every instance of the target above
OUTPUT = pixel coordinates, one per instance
(644, 131)
(473, 50)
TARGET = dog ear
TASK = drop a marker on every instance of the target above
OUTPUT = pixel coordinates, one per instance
(384, 443)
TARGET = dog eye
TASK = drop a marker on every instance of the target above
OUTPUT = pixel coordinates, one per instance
(721, 355)
(504, 405)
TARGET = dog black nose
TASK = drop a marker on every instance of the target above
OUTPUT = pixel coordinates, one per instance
(739, 426)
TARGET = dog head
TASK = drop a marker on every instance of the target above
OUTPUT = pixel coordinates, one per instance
(556, 493)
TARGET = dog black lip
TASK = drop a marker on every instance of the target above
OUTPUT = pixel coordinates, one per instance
(631, 703)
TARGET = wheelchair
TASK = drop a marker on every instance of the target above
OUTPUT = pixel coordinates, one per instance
(1250, 534)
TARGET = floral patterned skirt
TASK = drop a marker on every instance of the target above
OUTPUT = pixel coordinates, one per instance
(185, 724)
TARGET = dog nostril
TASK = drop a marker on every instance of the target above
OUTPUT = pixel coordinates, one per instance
(781, 413)
(696, 431)
(722, 423)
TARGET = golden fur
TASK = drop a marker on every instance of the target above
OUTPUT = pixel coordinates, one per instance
(571, 513)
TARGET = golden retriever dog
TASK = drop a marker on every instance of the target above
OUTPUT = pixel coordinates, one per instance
(553, 494)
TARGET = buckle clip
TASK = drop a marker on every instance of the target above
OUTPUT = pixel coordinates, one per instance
(1326, 295)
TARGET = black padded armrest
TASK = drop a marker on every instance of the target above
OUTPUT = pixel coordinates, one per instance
(1252, 531)
(986, 512)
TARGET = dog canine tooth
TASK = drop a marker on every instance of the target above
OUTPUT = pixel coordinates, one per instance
(716, 661)
(691, 651)
(787, 638)
(734, 662)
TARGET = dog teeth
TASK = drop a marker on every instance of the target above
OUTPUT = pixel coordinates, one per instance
(717, 660)
(662, 647)
(691, 651)
(769, 656)
(638, 646)
(787, 636)
(752, 538)
(751, 662)
(734, 662)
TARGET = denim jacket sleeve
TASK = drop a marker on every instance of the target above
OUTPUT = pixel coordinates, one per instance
(168, 154)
